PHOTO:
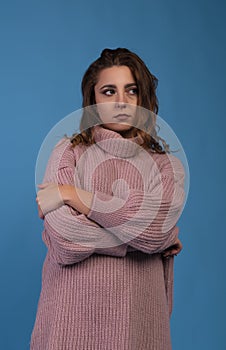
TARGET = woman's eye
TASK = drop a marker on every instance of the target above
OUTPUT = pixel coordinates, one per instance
(133, 91)
(108, 92)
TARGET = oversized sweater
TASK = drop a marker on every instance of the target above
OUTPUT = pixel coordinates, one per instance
(105, 284)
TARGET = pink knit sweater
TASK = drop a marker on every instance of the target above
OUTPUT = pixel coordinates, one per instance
(105, 285)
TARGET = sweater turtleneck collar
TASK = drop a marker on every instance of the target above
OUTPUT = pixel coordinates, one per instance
(115, 144)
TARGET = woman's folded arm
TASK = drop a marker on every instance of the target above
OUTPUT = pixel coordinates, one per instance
(145, 219)
(71, 236)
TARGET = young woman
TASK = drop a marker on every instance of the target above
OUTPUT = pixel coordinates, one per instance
(110, 201)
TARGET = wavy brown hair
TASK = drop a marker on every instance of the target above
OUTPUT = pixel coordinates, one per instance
(146, 83)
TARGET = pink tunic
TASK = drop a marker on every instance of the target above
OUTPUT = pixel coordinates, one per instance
(105, 285)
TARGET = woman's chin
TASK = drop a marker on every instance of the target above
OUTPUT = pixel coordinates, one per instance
(119, 127)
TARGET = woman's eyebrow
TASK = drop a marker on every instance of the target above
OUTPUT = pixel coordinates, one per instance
(114, 86)
(108, 86)
(131, 84)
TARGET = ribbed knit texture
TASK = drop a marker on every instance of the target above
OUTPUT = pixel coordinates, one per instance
(105, 285)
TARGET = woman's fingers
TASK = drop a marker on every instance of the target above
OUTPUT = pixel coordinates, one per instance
(170, 253)
(40, 213)
(174, 249)
(49, 197)
(42, 186)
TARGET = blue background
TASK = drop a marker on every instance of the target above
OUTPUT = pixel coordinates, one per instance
(45, 48)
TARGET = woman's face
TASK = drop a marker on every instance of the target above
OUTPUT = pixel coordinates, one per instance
(116, 96)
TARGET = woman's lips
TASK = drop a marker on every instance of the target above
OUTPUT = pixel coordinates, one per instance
(122, 117)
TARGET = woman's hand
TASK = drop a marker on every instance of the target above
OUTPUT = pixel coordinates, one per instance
(49, 198)
(52, 196)
(40, 213)
(173, 249)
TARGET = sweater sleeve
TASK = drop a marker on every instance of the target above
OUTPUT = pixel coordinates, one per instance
(145, 219)
(69, 235)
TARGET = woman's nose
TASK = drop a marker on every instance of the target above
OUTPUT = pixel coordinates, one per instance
(121, 97)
